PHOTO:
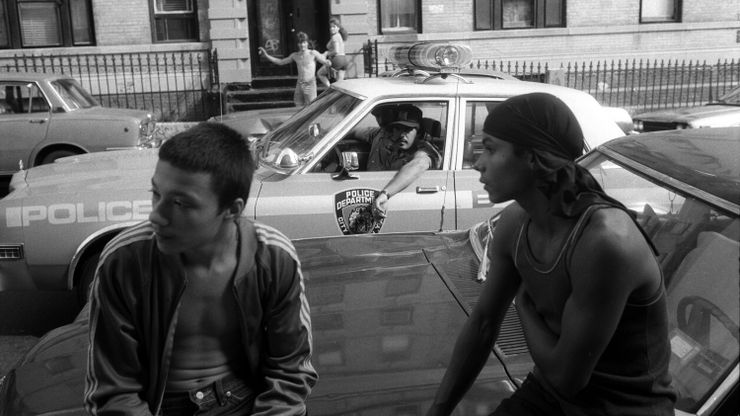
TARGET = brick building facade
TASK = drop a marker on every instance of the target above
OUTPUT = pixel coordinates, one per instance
(585, 30)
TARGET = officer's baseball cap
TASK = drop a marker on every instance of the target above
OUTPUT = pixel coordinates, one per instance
(408, 116)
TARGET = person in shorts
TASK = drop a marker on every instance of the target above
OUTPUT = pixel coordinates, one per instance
(305, 60)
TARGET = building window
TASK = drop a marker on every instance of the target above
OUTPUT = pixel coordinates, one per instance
(519, 14)
(399, 16)
(37, 23)
(659, 11)
(175, 21)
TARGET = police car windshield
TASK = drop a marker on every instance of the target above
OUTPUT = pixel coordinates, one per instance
(300, 134)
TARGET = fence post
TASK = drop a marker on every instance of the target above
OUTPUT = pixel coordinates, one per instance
(555, 76)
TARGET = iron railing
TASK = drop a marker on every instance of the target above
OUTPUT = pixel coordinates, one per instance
(174, 86)
(636, 85)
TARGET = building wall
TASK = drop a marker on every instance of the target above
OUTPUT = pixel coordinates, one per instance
(595, 30)
(122, 22)
(229, 35)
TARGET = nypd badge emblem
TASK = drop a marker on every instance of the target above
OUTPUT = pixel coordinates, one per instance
(354, 211)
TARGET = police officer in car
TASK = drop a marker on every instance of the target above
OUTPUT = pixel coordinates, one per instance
(404, 147)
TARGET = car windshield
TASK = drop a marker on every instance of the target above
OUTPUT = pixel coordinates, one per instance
(291, 143)
(73, 94)
(731, 98)
(697, 246)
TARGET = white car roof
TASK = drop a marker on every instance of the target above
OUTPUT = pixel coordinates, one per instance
(597, 125)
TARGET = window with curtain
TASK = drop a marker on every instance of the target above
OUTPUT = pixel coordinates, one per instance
(399, 16)
(518, 14)
(175, 21)
(39, 23)
(658, 11)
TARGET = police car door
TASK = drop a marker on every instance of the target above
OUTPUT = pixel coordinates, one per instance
(326, 200)
(471, 200)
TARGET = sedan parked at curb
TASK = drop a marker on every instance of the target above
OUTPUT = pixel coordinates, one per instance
(725, 112)
(44, 117)
(386, 308)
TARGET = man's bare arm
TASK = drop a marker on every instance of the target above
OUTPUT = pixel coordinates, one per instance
(277, 61)
(474, 344)
(320, 58)
(617, 262)
(403, 178)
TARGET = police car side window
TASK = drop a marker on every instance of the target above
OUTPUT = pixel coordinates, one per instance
(475, 115)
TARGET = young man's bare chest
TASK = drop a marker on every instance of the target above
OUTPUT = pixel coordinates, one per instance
(207, 343)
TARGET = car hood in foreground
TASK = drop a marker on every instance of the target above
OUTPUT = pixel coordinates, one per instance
(384, 317)
(256, 122)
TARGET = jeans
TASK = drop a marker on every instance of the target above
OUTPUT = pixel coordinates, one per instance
(227, 396)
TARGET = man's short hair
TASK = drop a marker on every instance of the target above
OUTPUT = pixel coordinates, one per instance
(302, 37)
(218, 150)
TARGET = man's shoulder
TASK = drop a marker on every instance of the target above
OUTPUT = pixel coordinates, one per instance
(272, 238)
(137, 237)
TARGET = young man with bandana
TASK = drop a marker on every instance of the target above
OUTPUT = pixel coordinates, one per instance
(586, 284)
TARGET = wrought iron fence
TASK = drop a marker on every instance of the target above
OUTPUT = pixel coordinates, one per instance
(173, 86)
(636, 85)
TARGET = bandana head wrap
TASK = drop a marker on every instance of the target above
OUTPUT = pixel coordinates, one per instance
(544, 125)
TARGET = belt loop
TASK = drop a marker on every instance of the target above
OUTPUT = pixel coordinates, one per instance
(218, 389)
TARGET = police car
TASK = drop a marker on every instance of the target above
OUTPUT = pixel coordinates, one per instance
(311, 179)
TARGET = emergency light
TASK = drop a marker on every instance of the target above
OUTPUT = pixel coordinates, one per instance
(431, 56)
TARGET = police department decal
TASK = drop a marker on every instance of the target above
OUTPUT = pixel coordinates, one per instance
(354, 209)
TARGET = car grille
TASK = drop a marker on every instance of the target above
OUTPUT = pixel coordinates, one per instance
(11, 252)
(461, 273)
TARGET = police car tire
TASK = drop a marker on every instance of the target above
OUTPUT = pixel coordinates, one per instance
(56, 154)
(87, 274)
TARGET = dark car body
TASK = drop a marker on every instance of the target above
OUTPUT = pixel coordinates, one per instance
(47, 116)
(386, 308)
(725, 112)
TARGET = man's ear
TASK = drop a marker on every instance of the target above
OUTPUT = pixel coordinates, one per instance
(234, 210)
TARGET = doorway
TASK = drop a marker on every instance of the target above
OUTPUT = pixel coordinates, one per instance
(274, 25)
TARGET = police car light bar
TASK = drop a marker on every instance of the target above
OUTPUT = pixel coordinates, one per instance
(427, 55)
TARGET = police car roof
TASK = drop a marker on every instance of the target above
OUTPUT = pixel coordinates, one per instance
(482, 87)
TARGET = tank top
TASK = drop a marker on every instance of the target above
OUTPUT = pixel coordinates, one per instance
(631, 377)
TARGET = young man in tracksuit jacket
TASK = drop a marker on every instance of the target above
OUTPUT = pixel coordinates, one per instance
(199, 310)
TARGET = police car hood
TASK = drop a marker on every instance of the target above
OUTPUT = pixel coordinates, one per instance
(118, 169)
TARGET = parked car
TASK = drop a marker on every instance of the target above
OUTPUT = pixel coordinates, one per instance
(44, 117)
(725, 112)
(386, 308)
(311, 179)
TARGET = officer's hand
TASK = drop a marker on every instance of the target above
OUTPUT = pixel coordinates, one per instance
(380, 205)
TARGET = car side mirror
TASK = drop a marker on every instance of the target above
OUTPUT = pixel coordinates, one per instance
(350, 161)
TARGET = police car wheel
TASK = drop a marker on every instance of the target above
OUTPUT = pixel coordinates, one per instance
(56, 154)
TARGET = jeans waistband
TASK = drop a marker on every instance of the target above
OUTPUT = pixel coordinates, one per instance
(220, 389)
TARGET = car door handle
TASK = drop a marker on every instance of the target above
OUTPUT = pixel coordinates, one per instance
(427, 189)
(37, 121)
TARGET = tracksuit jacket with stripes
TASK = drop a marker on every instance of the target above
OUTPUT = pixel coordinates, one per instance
(135, 298)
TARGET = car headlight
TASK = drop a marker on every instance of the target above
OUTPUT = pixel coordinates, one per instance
(146, 133)
(638, 125)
